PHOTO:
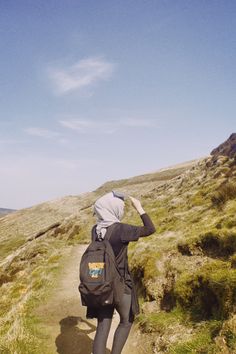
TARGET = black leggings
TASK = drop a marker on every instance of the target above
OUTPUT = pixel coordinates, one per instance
(104, 325)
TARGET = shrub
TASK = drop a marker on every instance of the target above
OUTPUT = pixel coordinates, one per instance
(228, 332)
(230, 338)
(218, 243)
(233, 261)
(209, 293)
(201, 342)
(186, 248)
(225, 192)
(160, 321)
(230, 222)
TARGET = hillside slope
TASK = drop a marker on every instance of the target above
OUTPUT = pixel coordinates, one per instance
(34, 244)
(185, 272)
(26, 224)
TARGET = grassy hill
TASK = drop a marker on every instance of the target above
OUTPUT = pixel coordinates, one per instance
(185, 272)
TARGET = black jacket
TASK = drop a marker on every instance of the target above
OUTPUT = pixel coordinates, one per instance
(120, 237)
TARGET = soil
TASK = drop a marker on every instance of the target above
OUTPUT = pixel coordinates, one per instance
(63, 317)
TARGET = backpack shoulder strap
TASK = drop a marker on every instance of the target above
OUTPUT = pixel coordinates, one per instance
(93, 233)
(109, 231)
(107, 235)
(110, 250)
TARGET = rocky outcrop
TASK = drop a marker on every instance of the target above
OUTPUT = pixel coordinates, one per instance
(227, 148)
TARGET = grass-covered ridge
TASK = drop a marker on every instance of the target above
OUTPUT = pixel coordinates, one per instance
(185, 272)
(188, 266)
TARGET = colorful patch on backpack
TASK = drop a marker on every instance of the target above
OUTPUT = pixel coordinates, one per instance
(96, 269)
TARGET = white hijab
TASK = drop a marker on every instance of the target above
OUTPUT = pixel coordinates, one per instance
(108, 209)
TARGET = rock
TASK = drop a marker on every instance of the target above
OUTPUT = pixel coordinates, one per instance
(227, 148)
(150, 307)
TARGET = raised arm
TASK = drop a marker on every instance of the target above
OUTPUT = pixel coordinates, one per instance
(148, 227)
(132, 232)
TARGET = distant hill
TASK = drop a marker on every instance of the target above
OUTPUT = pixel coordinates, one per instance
(26, 223)
(4, 211)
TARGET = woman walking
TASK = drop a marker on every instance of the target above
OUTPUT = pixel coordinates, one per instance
(109, 210)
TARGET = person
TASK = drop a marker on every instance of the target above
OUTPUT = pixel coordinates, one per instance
(109, 210)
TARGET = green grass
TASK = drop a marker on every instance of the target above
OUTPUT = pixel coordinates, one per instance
(230, 338)
(20, 329)
(225, 192)
(209, 292)
(202, 342)
(205, 293)
(11, 244)
(218, 242)
(161, 321)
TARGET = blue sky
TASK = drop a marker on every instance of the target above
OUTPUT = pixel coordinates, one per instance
(101, 90)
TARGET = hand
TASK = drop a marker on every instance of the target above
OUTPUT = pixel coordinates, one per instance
(137, 205)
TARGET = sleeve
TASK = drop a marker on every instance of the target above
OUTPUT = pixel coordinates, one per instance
(132, 233)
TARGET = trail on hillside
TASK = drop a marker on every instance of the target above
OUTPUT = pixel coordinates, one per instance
(64, 318)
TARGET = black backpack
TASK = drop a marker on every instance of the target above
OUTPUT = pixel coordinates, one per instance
(101, 283)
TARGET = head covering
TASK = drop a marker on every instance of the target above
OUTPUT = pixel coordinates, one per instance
(108, 209)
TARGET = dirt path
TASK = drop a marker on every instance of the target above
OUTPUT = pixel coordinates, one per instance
(63, 317)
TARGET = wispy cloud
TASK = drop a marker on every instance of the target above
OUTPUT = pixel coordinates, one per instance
(89, 126)
(78, 124)
(138, 122)
(84, 126)
(105, 126)
(42, 133)
(81, 74)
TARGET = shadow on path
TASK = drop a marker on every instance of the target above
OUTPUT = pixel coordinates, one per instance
(74, 338)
